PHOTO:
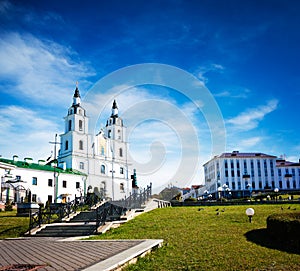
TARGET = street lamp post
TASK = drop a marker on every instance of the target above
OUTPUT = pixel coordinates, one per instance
(246, 177)
(55, 174)
(250, 213)
(276, 190)
(220, 189)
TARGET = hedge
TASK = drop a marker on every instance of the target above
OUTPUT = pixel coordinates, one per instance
(285, 228)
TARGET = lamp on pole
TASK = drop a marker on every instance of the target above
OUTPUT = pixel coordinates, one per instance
(220, 189)
(246, 177)
(276, 190)
(55, 173)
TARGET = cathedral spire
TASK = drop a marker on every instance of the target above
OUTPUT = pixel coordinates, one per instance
(114, 109)
(76, 97)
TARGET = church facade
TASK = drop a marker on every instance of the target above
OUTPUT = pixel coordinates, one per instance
(102, 157)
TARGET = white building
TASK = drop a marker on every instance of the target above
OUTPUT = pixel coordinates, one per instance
(239, 174)
(288, 174)
(102, 157)
(23, 181)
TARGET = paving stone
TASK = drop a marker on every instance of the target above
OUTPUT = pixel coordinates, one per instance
(58, 254)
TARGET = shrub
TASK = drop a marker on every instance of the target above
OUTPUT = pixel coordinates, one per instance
(285, 228)
(8, 207)
(190, 199)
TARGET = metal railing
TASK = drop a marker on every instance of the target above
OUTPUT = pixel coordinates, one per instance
(56, 212)
(115, 209)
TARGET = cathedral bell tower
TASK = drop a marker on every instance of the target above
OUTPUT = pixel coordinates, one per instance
(75, 140)
(115, 132)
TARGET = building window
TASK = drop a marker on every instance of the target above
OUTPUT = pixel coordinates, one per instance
(80, 125)
(122, 189)
(288, 184)
(226, 173)
(70, 125)
(245, 166)
(260, 184)
(67, 145)
(64, 184)
(33, 198)
(81, 165)
(226, 164)
(279, 172)
(232, 173)
(253, 184)
(239, 186)
(109, 133)
(233, 185)
(102, 169)
(121, 152)
(121, 170)
(34, 180)
(102, 150)
(50, 182)
(49, 199)
(80, 145)
(18, 177)
(273, 184)
(280, 184)
(294, 184)
(77, 185)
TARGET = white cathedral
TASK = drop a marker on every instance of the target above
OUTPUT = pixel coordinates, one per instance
(102, 157)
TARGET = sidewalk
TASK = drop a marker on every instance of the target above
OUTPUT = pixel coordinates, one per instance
(42, 253)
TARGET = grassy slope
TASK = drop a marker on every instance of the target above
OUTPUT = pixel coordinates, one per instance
(202, 240)
(12, 226)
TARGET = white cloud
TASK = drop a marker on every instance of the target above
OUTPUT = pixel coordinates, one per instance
(25, 133)
(39, 70)
(239, 93)
(201, 71)
(250, 119)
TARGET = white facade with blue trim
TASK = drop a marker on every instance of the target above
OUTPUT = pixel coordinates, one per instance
(241, 174)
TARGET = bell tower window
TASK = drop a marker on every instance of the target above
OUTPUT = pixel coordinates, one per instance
(80, 145)
(121, 152)
(67, 145)
(109, 133)
(70, 125)
(80, 125)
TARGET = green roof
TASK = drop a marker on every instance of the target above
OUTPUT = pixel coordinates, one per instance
(34, 166)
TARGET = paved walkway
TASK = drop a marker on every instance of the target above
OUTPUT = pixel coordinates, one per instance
(43, 253)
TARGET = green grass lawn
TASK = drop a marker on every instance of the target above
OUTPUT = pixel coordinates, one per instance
(12, 226)
(203, 240)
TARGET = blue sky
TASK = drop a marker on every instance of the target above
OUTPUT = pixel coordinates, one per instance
(245, 53)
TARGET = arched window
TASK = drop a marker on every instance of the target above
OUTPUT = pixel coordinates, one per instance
(70, 125)
(80, 125)
(102, 150)
(102, 169)
(109, 133)
(121, 152)
(80, 145)
(67, 145)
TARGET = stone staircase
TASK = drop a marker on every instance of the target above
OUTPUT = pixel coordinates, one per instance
(84, 223)
(67, 230)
